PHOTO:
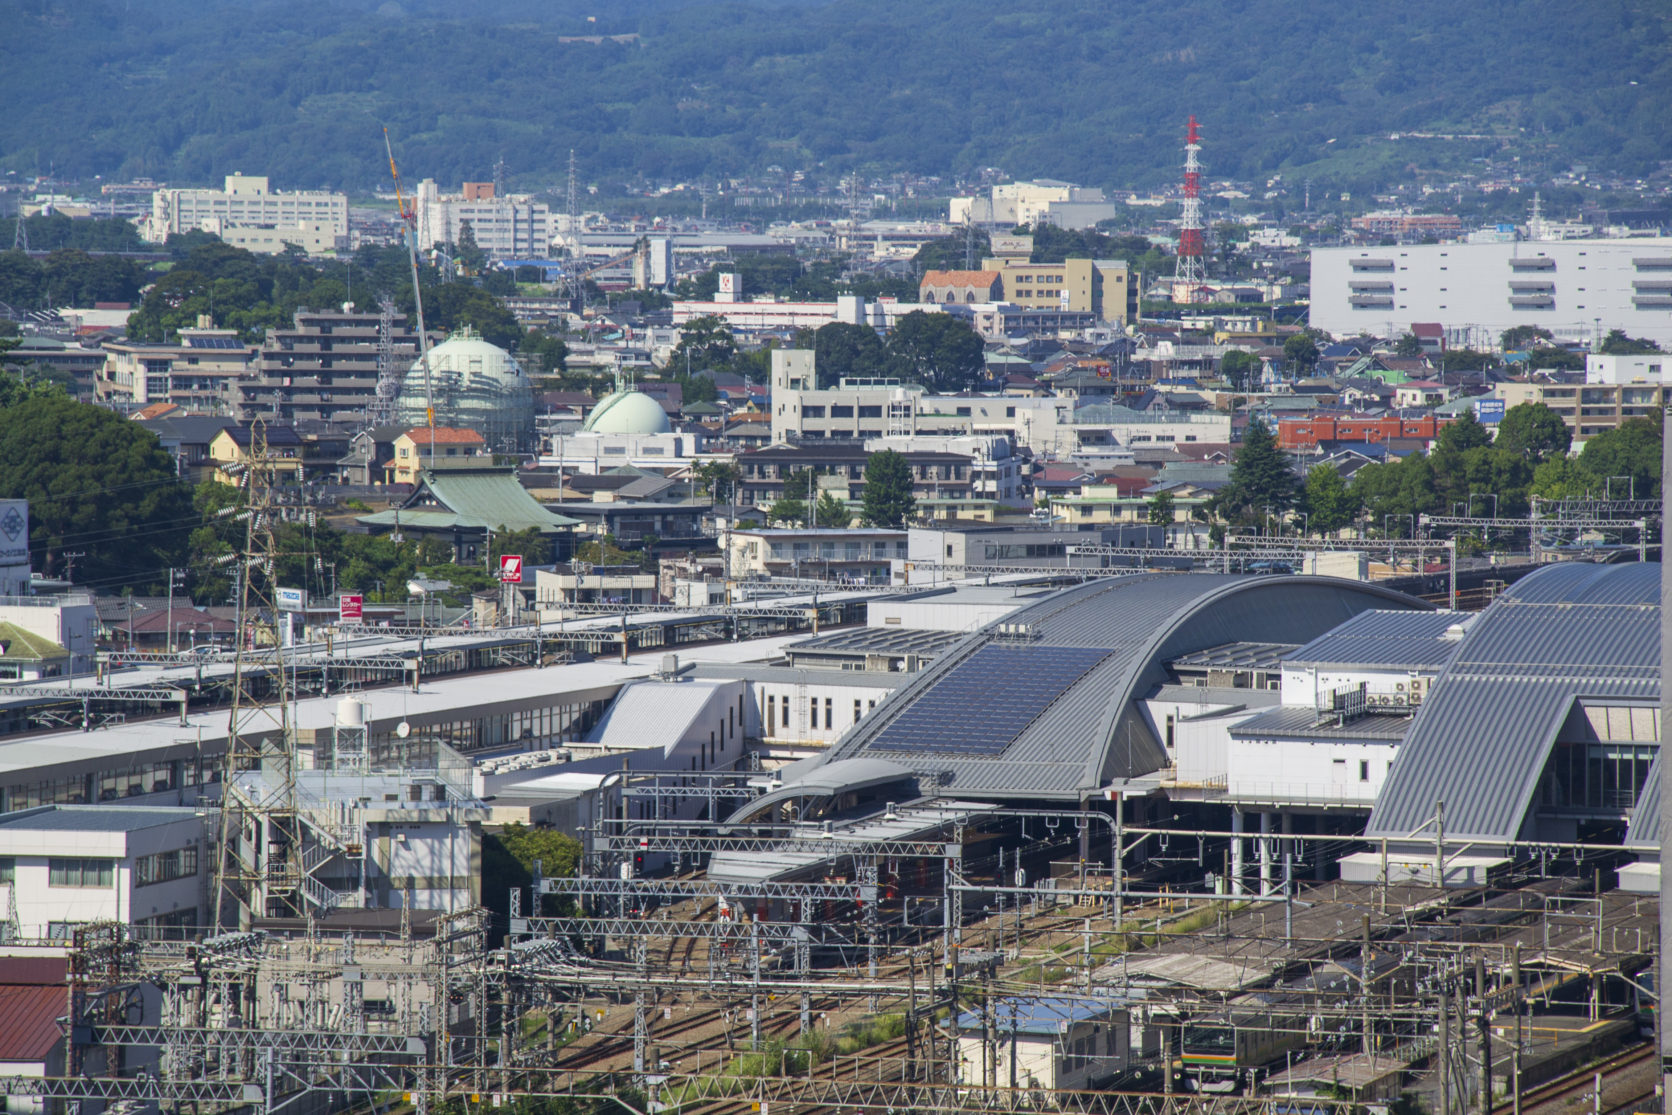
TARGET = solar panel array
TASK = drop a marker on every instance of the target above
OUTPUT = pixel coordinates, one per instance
(213, 342)
(988, 700)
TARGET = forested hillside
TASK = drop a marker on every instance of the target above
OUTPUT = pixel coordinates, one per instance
(1089, 90)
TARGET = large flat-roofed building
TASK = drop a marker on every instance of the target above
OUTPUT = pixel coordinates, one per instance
(248, 214)
(514, 227)
(1476, 291)
(1043, 201)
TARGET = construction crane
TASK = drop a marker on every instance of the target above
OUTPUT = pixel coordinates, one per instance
(409, 227)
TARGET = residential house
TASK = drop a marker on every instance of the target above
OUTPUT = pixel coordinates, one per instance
(187, 439)
(369, 454)
(230, 452)
(443, 446)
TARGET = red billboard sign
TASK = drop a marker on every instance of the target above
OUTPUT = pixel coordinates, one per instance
(350, 606)
(510, 568)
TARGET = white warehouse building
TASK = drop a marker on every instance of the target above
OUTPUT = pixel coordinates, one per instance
(1574, 288)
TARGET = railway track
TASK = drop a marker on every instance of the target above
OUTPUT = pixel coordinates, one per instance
(1627, 1078)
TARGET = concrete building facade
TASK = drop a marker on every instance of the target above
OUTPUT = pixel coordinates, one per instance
(1577, 289)
(515, 227)
(247, 213)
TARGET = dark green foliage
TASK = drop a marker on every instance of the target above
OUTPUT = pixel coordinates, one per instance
(1239, 369)
(542, 354)
(67, 277)
(508, 859)
(1518, 337)
(1407, 345)
(937, 350)
(951, 253)
(1533, 430)
(1558, 358)
(244, 291)
(451, 306)
(188, 92)
(56, 232)
(1618, 344)
(1261, 479)
(831, 511)
(96, 484)
(1328, 502)
(1301, 351)
(1633, 451)
(889, 501)
(847, 351)
(1464, 433)
(705, 344)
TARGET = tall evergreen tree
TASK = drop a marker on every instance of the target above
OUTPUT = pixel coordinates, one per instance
(889, 500)
(1261, 479)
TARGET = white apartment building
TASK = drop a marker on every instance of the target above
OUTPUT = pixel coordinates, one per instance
(68, 865)
(1043, 201)
(1619, 370)
(858, 554)
(248, 214)
(514, 227)
(863, 409)
(1577, 289)
(995, 471)
(1055, 426)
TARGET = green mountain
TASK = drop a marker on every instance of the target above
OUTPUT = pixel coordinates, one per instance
(1095, 91)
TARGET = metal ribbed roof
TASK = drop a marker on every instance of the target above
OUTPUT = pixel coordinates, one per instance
(1482, 737)
(1384, 640)
(1089, 735)
(1237, 656)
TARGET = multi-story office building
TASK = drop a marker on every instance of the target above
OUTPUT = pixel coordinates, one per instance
(248, 214)
(1102, 287)
(324, 367)
(201, 372)
(515, 227)
(1577, 289)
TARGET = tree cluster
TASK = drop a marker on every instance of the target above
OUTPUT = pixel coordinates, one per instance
(939, 351)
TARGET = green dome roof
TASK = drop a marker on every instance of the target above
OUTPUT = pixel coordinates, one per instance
(627, 412)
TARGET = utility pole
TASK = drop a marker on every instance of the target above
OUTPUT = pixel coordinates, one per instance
(175, 577)
(69, 564)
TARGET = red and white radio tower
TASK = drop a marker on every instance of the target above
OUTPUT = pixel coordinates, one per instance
(1190, 275)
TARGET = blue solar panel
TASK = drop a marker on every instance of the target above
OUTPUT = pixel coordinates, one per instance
(988, 700)
(213, 342)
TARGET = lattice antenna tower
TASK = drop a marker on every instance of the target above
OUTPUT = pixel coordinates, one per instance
(499, 177)
(1190, 273)
(259, 860)
(20, 233)
(381, 410)
(572, 253)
